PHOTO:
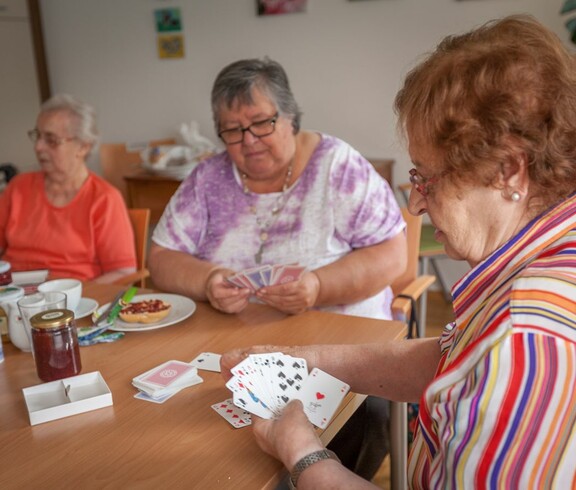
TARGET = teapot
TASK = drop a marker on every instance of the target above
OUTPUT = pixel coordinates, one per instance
(9, 296)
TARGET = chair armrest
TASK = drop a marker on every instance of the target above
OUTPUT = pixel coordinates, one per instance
(133, 277)
(401, 306)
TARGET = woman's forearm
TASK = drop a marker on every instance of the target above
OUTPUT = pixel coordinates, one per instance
(398, 370)
(362, 273)
(179, 272)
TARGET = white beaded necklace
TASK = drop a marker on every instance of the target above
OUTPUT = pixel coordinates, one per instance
(264, 223)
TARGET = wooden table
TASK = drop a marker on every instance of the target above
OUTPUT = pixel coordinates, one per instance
(182, 443)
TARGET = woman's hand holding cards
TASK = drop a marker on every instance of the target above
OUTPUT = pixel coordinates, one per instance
(292, 297)
(223, 295)
(288, 288)
(288, 437)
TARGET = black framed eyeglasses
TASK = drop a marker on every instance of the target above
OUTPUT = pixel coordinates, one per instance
(258, 129)
(50, 139)
(422, 184)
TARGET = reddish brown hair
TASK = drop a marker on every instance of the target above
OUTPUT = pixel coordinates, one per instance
(480, 97)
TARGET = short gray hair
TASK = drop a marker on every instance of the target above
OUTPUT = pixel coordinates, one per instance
(83, 116)
(236, 82)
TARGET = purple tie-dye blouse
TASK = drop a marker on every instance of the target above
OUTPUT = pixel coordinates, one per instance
(339, 203)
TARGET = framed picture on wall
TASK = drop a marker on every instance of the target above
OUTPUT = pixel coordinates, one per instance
(171, 46)
(275, 7)
(168, 20)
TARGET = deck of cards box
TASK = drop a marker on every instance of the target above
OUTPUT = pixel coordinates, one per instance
(65, 397)
(164, 381)
(262, 384)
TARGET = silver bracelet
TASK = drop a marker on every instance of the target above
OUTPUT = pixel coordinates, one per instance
(309, 460)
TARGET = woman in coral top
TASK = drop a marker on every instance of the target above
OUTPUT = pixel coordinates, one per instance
(64, 218)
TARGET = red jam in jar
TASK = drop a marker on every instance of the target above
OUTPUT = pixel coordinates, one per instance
(5, 273)
(55, 344)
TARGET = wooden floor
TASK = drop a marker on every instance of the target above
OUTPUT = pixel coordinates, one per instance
(439, 314)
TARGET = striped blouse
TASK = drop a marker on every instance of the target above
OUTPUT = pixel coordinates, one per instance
(501, 410)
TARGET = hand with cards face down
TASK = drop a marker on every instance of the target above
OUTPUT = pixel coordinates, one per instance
(263, 384)
(266, 275)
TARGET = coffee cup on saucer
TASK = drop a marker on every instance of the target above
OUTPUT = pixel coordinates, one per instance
(71, 287)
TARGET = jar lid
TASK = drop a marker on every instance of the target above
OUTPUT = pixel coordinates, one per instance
(11, 293)
(4, 266)
(52, 319)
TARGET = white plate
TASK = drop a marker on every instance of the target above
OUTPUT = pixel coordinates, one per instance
(85, 307)
(182, 308)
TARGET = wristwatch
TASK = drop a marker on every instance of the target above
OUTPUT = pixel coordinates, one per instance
(309, 460)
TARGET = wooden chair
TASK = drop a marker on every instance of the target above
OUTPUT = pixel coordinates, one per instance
(430, 251)
(118, 160)
(140, 219)
(410, 288)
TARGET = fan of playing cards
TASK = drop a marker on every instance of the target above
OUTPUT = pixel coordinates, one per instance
(263, 384)
(266, 275)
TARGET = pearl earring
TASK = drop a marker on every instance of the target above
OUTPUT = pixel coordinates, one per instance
(515, 196)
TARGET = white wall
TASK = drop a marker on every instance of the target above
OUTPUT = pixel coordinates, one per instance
(345, 60)
(19, 94)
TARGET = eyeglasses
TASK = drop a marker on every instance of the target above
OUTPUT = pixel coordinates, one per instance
(258, 129)
(50, 139)
(423, 184)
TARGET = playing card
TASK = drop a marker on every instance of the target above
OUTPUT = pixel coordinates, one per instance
(321, 395)
(207, 361)
(261, 373)
(167, 374)
(250, 402)
(254, 277)
(248, 371)
(168, 377)
(287, 273)
(266, 274)
(160, 392)
(237, 281)
(234, 415)
(286, 376)
(246, 399)
(161, 399)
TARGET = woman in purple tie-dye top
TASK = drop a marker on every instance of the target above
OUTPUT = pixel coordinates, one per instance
(279, 195)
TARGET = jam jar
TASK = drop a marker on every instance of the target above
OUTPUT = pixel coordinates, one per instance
(5, 273)
(55, 344)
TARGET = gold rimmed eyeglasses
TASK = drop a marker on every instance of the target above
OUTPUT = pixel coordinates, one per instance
(50, 139)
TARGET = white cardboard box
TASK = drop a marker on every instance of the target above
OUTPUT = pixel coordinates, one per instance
(65, 397)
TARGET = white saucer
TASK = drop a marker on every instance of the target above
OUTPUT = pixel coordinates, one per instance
(85, 307)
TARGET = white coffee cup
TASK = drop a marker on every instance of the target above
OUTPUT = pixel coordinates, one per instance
(71, 287)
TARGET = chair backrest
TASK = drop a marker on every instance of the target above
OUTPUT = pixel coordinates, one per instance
(116, 161)
(413, 231)
(140, 219)
(429, 247)
(405, 191)
(411, 287)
